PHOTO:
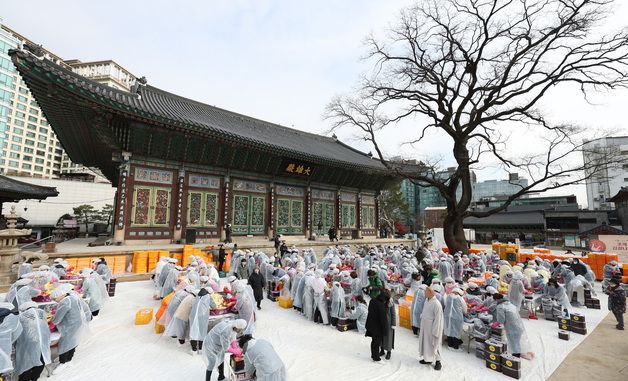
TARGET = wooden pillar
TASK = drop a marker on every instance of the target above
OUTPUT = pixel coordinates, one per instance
(338, 212)
(271, 208)
(308, 211)
(358, 214)
(225, 202)
(376, 222)
(176, 234)
(121, 202)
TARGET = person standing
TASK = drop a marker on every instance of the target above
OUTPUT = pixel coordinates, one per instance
(333, 234)
(257, 283)
(243, 270)
(221, 256)
(277, 242)
(617, 302)
(228, 232)
(388, 342)
(455, 308)
(508, 315)
(431, 330)
(199, 319)
(10, 330)
(71, 321)
(418, 301)
(375, 286)
(32, 348)
(376, 325)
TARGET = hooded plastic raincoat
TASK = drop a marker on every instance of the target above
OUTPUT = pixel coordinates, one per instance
(71, 321)
(218, 341)
(338, 306)
(516, 290)
(417, 306)
(33, 344)
(10, 330)
(19, 295)
(199, 316)
(455, 308)
(170, 283)
(245, 305)
(260, 357)
(508, 315)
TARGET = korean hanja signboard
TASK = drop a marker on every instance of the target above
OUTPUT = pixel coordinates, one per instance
(615, 244)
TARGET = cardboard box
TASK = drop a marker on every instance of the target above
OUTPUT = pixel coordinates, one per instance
(511, 362)
(514, 373)
(578, 325)
(564, 327)
(579, 331)
(577, 318)
(493, 357)
(494, 346)
(496, 366)
(348, 326)
(479, 353)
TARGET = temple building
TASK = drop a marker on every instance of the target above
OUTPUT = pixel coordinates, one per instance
(184, 169)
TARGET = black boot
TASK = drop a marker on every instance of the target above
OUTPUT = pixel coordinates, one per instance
(221, 371)
(382, 352)
(388, 354)
(424, 362)
(437, 366)
(208, 375)
(415, 330)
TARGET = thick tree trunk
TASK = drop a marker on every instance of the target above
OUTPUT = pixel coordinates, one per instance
(453, 233)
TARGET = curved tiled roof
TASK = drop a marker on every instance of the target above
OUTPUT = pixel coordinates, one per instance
(13, 190)
(182, 113)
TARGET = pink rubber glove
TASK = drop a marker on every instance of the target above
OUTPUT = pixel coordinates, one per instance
(234, 349)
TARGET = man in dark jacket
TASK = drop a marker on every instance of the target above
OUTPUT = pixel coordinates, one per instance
(617, 302)
(257, 282)
(277, 242)
(376, 325)
(221, 257)
(578, 268)
(332, 233)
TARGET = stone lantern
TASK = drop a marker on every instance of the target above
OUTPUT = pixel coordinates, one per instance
(9, 252)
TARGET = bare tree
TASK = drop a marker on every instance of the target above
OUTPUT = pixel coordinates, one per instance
(477, 69)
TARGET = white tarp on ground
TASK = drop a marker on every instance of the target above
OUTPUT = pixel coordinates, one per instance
(119, 350)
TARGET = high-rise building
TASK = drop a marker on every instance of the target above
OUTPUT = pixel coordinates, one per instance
(28, 146)
(606, 181)
(498, 188)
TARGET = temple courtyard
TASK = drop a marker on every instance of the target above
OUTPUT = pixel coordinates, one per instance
(119, 350)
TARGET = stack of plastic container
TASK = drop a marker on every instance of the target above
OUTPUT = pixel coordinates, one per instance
(140, 262)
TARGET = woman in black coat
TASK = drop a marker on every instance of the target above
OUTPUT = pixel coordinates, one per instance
(257, 282)
(376, 325)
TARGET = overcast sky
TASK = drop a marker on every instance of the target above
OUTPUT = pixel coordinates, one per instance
(280, 61)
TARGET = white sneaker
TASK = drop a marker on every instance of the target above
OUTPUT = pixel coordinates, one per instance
(60, 368)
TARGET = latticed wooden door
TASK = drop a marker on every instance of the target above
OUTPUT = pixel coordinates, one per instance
(289, 216)
(249, 214)
(323, 215)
